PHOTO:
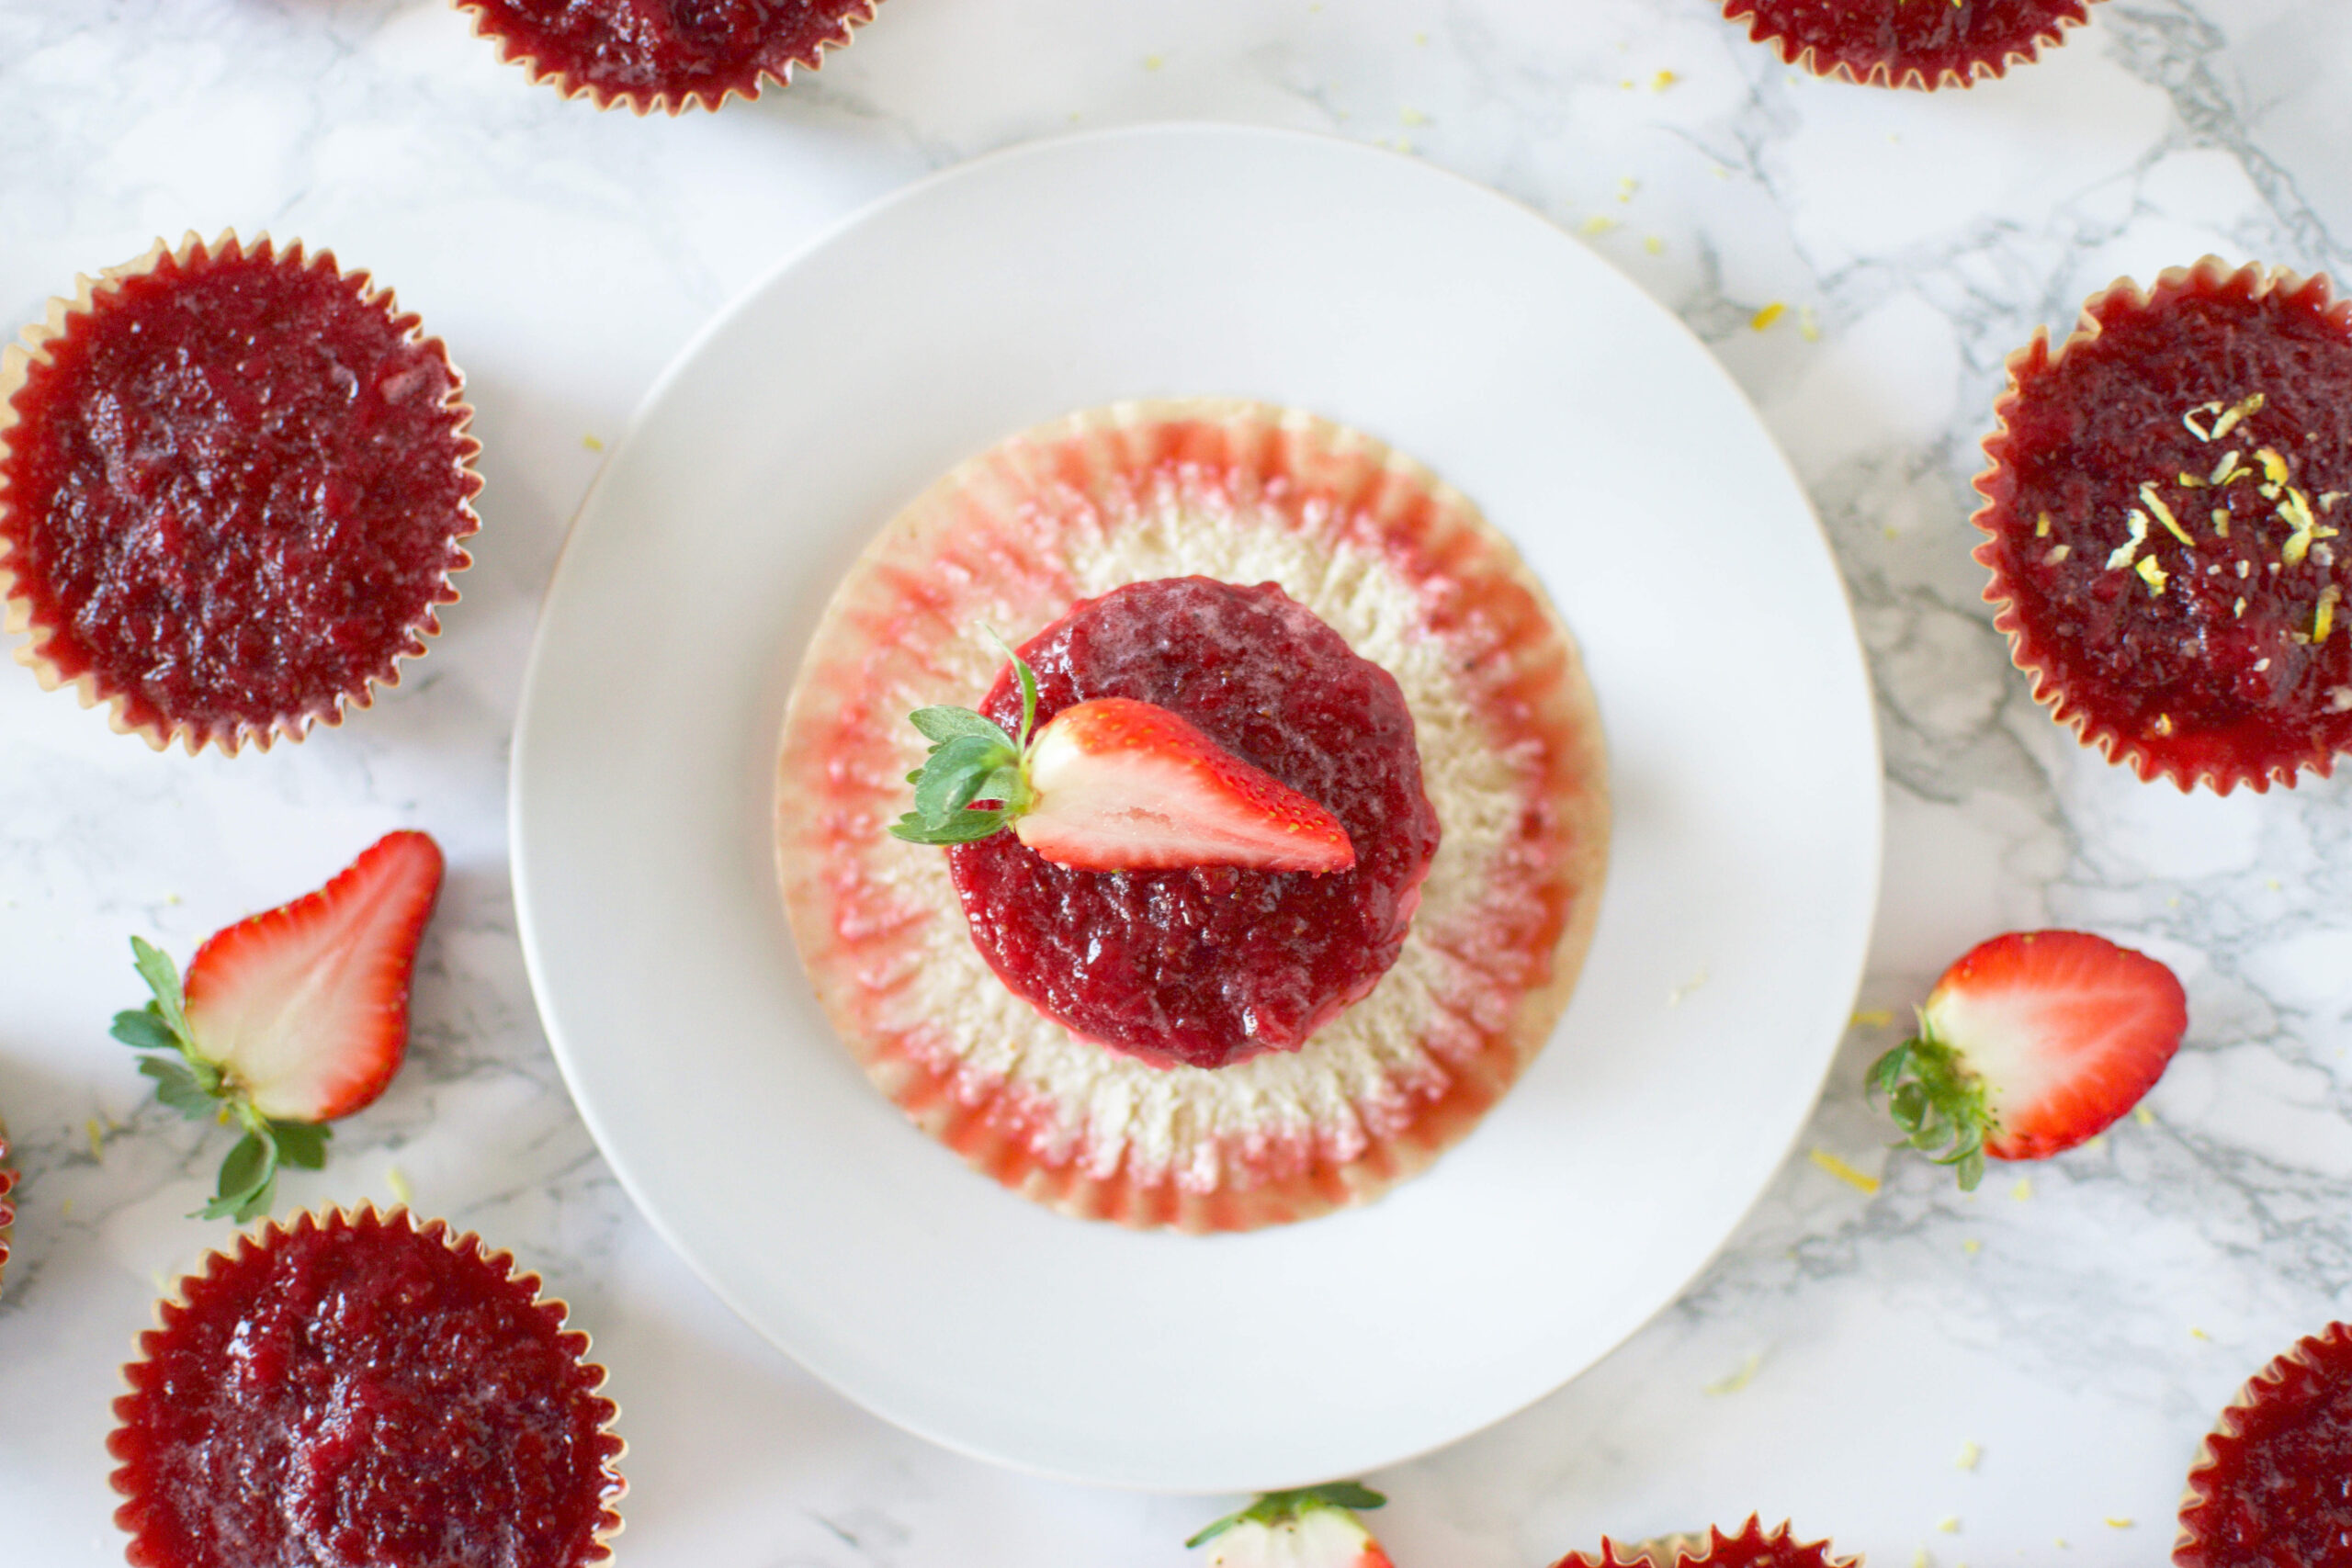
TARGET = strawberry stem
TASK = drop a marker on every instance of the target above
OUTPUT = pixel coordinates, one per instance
(1937, 1101)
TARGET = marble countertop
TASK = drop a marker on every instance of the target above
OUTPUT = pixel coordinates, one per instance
(2075, 1330)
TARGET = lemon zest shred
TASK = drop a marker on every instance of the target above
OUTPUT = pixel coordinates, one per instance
(2121, 554)
(2163, 513)
(2152, 573)
(1861, 1181)
(2042, 526)
(2243, 408)
(1738, 1380)
(1763, 319)
(2274, 467)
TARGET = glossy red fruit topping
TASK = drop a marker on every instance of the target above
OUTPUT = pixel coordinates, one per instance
(233, 494)
(2270, 1487)
(667, 53)
(2030, 1043)
(1753, 1547)
(2166, 503)
(1907, 43)
(1209, 964)
(292, 1018)
(1314, 1527)
(358, 1393)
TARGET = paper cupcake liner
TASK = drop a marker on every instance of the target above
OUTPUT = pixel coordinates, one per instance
(131, 713)
(498, 20)
(1753, 1547)
(7, 1205)
(148, 1525)
(2329, 728)
(2224, 1524)
(1404, 569)
(2015, 36)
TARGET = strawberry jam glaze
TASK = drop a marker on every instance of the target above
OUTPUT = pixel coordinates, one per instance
(1210, 965)
(357, 1392)
(1402, 568)
(232, 493)
(667, 53)
(1907, 43)
(7, 1207)
(2270, 1488)
(2220, 656)
(1753, 1547)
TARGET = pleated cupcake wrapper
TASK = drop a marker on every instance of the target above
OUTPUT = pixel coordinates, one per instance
(17, 361)
(7, 1204)
(1011, 540)
(2190, 1545)
(642, 102)
(2033, 660)
(1809, 57)
(268, 1234)
(1752, 1547)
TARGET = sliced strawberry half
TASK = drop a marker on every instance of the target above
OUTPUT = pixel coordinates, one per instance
(1311, 1528)
(1113, 784)
(2033, 1042)
(292, 1018)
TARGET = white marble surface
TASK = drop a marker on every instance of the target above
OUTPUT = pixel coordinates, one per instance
(1834, 1361)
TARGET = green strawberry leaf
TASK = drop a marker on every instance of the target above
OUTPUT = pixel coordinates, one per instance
(163, 978)
(1937, 1102)
(248, 1179)
(177, 1087)
(968, 827)
(1276, 1507)
(953, 777)
(946, 724)
(144, 1030)
(300, 1143)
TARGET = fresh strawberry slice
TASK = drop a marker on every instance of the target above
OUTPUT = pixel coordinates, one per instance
(292, 1018)
(2030, 1043)
(1311, 1528)
(1113, 784)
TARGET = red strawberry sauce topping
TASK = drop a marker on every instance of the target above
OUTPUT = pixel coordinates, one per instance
(1210, 964)
(2271, 1487)
(1913, 42)
(235, 490)
(2215, 644)
(673, 47)
(356, 1392)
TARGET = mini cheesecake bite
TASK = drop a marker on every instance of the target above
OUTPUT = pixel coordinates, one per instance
(1371, 671)
(2269, 1487)
(233, 484)
(2164, 506)
(666, 54)
(359, 1390)
(1923, 44)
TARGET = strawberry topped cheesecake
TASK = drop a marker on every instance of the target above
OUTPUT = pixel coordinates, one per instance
(1259, 869)
(1895, 43)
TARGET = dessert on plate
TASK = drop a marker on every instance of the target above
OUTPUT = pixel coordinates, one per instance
(1322, 610)
(2165, 504)
(2268, 1486)
(665, 55)
(233, 483)
(1752, 1547)
(1897, 43)
(362, 1390)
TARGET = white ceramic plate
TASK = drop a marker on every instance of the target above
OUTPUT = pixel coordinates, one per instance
(1168, 261)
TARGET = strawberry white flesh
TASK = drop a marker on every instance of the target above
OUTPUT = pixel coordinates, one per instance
(2065, 1029)
(1124, 785)
(305, 1007)
(1316, 1538)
